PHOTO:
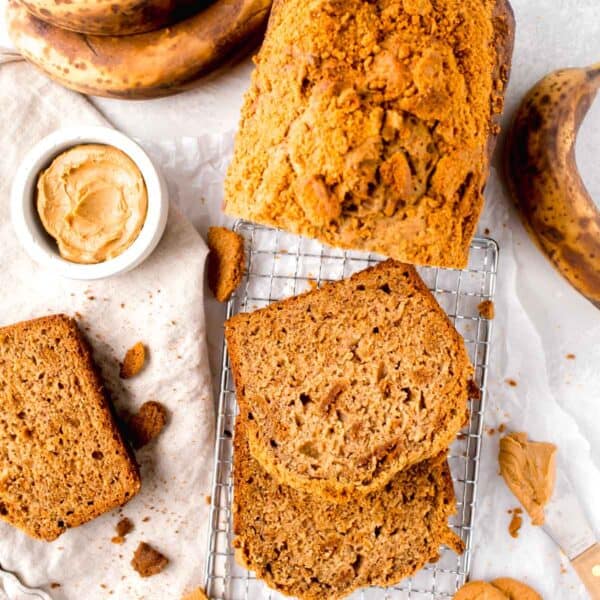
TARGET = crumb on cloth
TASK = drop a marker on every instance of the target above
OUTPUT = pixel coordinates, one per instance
(123, 527)
(147, 561)
(145, 425)
(134, 361)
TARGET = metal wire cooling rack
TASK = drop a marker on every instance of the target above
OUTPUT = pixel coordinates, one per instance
(279, 265)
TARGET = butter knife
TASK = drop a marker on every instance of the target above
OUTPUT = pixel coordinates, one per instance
(567, 525)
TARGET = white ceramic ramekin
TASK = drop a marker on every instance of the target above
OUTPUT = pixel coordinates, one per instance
(28, 226)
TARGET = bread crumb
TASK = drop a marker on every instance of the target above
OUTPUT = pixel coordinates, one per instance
(515, 523)
(511, 382)
(486, 231)
(145, 519)
(147, 561)
(146, 424)
(486, 309)
(197, 594)
(313, 284)
(502, 428)
(54, 585)
(491, 431)
(134, 361)
(570, 356)
(124, 526)
(208, 499)
(225, 261)
(474, 390)
(117, 539)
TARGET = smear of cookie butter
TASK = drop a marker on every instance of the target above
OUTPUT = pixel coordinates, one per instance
(529, 469)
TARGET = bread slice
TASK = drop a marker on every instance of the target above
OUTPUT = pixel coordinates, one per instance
(370, 125)
(312, 549)
(62, 459)
(346, 385)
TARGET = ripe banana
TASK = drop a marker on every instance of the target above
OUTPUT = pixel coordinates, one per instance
(145, 65)
(543, 178)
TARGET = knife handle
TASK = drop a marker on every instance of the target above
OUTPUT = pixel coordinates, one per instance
(587, 566)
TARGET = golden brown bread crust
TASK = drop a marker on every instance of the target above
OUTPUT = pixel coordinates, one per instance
(108, 17)
(62, 458)
(146, 65)
(306, 547)
(226, 261)
(346, 385)
(370, 125)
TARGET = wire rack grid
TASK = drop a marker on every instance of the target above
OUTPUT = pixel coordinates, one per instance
(279, 265)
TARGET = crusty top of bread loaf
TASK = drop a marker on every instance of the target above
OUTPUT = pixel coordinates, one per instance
(369, 125)
(312, 549)
(62, 459)
(348, 384)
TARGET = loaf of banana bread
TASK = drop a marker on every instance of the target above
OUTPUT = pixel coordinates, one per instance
(370, 125)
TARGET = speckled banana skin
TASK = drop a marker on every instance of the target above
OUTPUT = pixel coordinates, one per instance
(543, 178)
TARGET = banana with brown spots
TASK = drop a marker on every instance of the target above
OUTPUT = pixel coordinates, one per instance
(146, 65)
(555, 205)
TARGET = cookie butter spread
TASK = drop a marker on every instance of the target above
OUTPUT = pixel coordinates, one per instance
(92, 200)
(529, 469)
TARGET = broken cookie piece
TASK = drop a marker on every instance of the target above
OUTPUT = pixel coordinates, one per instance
(225, 262)
(147, 561)
(146, 424)
(133, 362)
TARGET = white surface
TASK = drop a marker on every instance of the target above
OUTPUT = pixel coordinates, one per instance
(30, 231)
(539, 317)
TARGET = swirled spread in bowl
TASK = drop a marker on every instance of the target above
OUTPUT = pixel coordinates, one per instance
(93, 201)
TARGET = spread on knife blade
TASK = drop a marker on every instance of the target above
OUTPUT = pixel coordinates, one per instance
(529, 469)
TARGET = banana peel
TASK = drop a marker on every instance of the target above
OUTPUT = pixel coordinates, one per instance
(544, 180)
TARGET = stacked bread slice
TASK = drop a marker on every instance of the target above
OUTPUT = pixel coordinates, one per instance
(349, 396)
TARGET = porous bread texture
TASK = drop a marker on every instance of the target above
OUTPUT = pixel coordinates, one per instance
(309, 548)
(370, 125)
(62, 458)
(346, 385)
(225, 261)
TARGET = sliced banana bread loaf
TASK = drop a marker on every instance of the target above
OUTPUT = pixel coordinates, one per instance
(346, 385)
(62, 459)
(370, 125)
(312, 549)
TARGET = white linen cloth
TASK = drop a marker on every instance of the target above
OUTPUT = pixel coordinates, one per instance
(160, 303)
